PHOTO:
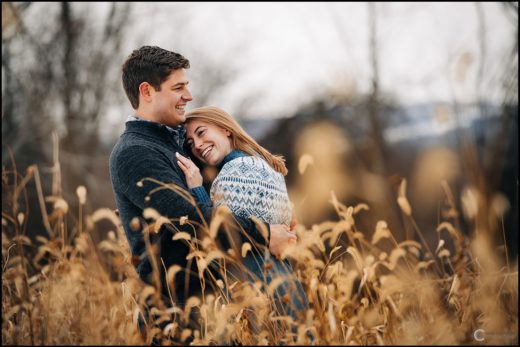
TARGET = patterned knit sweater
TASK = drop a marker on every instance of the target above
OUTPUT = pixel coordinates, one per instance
(250, 187)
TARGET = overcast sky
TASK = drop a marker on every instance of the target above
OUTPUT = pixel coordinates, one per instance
(288, 53)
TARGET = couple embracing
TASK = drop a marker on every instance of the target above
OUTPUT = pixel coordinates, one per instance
(163, 142)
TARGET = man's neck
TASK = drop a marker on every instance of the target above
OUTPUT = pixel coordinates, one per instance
(178, 132)
(144, 115)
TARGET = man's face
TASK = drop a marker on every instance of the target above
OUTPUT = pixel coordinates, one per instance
(168, 104)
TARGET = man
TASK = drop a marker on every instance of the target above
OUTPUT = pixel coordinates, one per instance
(155, 82)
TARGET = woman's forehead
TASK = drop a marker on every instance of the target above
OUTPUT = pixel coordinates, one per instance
(193, 124)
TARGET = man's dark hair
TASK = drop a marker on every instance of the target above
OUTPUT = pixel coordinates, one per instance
(150, 64)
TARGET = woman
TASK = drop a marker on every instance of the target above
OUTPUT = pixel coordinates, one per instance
(251, 183)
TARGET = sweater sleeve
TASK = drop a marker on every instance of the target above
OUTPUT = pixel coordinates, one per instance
(137, 164)
(201, 195)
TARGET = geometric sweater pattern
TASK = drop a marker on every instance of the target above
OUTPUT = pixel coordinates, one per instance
(250, 187)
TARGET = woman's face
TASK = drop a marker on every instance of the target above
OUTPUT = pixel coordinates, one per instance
(208, 142)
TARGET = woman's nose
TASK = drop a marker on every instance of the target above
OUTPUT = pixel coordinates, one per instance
(197, 144)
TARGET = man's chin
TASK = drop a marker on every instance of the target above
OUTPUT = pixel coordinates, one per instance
(181, 118)
(176, 121)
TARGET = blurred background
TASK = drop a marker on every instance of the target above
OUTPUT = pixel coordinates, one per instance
(356, 96)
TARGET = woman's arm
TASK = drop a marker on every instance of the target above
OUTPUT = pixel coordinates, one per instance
(249, 187)
(278, 235)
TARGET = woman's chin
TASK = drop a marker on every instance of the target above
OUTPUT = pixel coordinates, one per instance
(207, 162)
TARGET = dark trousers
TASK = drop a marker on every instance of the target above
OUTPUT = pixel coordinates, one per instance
(289, 296)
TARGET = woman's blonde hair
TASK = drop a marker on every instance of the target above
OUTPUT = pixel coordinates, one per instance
(239, 138)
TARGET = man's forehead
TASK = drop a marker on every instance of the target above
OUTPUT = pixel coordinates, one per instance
(177, 76)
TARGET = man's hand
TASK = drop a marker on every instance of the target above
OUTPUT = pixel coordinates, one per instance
(191, 171)
(281, 237)
(294, 223)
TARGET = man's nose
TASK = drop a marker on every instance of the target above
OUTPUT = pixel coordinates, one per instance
(187, 95)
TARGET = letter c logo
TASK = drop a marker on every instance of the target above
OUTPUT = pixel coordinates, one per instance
(479, 335)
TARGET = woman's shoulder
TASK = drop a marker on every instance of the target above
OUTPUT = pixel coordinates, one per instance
(250, 170)
(246, 164)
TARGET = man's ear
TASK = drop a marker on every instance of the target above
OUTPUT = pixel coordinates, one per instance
(145, 91)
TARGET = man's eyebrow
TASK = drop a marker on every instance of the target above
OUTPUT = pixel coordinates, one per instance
(178, 84)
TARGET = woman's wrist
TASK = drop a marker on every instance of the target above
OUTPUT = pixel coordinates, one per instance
(201, 195)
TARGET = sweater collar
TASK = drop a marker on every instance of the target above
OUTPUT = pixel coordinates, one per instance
(178, 133)
(232, 155)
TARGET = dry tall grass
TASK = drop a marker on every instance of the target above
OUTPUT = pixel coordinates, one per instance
(363, 288)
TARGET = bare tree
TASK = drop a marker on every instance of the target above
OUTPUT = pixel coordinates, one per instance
(380, 165)
(64, 75)
(60, 71)
(86, 61)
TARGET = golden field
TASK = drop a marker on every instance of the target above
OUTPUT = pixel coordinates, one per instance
(364, 287)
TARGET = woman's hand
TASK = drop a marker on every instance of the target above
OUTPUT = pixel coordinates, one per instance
(191, 171)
